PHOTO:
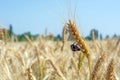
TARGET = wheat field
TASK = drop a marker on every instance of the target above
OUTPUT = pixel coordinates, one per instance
(44, 60)
(70, 56)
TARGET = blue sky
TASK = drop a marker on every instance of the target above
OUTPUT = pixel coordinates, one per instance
(36, 15)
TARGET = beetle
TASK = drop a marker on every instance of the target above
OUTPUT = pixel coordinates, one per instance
(75, 47)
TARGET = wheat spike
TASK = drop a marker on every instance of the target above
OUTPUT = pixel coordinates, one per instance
(97, 67)
(30, 75)
(110, 71)
(5, 34)
(63, 37)
(1, 34)
(75, 34)
(29, 40)
(71, 26)
(93, 35)
(57, 69)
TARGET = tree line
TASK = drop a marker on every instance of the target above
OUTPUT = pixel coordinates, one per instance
(93, 35)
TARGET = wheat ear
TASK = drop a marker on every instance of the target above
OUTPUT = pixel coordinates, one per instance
(110, 71)
(1, 34)
(75, 34)
(30, 75)
(71, 26)
(63, 37)
(5, 35)
(29, 40)
(97, 67)
(93, 35)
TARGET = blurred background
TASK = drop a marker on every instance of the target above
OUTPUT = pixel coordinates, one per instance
(43, 17)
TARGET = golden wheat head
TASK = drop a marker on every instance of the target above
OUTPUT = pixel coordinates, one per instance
(75, 34)
(63, 37)
(5, 34)
(110, 71)
(97, 67)
(30, 75)
(1, 34)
